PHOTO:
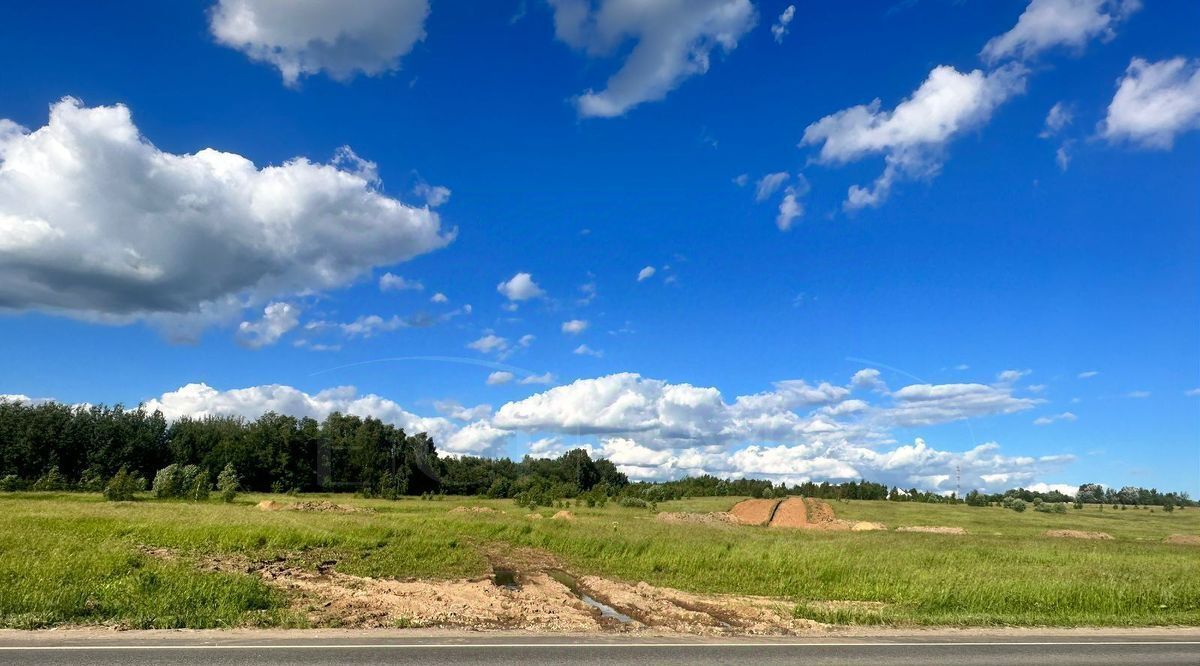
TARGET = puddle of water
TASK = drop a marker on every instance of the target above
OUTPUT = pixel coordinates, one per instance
(506, 578)
(605, 610)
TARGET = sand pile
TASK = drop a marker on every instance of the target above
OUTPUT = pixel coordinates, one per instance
(866, 526)
(791, 512)
(1183, 539)
(269, 505)
(563, 515)
(1076, 534)
(754, 511)
(932, 529)
(714, 518)
(819, 513)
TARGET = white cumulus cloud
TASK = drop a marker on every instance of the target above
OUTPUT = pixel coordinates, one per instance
(99, 224)
(520, 287)
(499, 377)
(913, 136)
(1154, 103)
(392, 282)
(780, 27)
(673, 41)
(340, 38)
(1046, 24)
(574, 327)
(277, 320)
(769, 184)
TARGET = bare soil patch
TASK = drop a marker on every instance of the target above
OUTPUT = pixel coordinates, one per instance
(714, 518)
(269, 505)
(932, 529)
(534, 600)
(1076, 534)
(1183, 539)
(325, 506)
(754, 511)
(563, 515)
(663, 608)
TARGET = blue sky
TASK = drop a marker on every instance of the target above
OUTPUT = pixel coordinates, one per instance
(1017, 273)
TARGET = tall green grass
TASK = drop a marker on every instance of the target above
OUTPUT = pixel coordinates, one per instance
(73, 559)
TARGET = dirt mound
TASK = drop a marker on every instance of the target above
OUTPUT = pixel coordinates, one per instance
(269, 505)
(1076, 534)
(866, 526)
(535, 516)
(325, 506)
(791, 512)
(932, 529)
(1183, 539)
(754, 511)
(716, 517)
(472, 509)
(563, 515)
(819, 513)
(796, 513)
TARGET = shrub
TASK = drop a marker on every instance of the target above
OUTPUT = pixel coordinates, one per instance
(121, 487)
(10, 483)
(227, 483)
(92, 480)
(168, 482)
(200, 488)
(632, 502)
(51, 480)
(1017, 505)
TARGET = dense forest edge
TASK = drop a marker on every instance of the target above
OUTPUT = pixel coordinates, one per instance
(54, 446)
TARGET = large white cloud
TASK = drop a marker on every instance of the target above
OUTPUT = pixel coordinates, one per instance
(661, 415)
(200, 400)
(675, 40)
(98, 223)
(1046, 24)
(913, 136)
(339, 37)
(1155, 102)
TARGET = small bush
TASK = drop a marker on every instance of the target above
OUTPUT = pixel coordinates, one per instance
(168, 482)
(121, 487)
(92, 481)
(10, 483)
(51, 480)
(633, 502)
(200, 488)
(227, 483)
(1017, 505)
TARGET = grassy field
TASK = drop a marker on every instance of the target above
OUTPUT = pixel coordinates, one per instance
(70, 559)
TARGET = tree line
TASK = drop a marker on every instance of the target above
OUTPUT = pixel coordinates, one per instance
(53, 446)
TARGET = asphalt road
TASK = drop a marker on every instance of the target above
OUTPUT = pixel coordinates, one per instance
(532, 650)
